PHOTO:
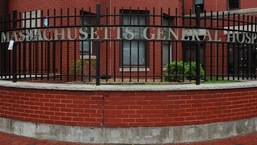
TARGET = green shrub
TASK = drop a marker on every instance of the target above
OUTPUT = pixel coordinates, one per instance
(174, 72)
(191, 72)
(180, 71)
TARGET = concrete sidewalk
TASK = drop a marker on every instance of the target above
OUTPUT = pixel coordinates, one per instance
(7, 139)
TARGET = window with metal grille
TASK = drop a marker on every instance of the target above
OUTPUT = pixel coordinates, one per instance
(233, 4)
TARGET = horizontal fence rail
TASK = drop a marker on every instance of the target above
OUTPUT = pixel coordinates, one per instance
(116, 46)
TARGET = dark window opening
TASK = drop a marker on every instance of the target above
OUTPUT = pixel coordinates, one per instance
(190, 50)
(241, 58)
(233, 4)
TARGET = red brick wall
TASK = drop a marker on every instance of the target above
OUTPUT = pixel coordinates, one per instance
(219, 5)
(124, 109)
(31, 5)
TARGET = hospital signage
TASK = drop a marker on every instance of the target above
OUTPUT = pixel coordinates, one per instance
(127, 33)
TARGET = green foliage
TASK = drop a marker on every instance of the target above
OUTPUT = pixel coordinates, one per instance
(174, 72)
(82, 67)
(191, 71)
(180, 71)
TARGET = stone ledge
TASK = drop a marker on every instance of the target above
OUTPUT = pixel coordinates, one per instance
(133, 135)
(138, 87)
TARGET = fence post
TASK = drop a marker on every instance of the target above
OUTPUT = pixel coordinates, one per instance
(198, 48)
(98, 47)
(14, 56)
(4, 52)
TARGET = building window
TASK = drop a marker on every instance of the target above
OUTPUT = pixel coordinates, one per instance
(134, 51)
(199, 3)
(167, 45)
(189, 50)
(241, 57)
(86, 21)
(233, 4)
(31, 19)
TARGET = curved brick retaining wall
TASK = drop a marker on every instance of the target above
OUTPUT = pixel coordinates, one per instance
(167, 112)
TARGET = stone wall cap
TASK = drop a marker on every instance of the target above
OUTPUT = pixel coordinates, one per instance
(130, 87)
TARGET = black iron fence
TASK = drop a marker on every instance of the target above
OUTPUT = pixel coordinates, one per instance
(116, 45)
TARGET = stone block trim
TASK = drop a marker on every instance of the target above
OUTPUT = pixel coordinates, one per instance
(129, 135)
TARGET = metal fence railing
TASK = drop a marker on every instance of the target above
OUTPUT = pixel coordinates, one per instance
(116, 45)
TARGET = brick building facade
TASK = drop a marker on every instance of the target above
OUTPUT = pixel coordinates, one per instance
(53, 37)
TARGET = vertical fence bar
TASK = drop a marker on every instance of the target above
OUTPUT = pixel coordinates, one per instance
(252, 62)
(217, 47)
(114, 44)
(242, 51)
(47, 48)
(14, 56)
(9, 57)
(81, 47)
(19, 53)
(255, 47)
(211, 49)
(98, 47)
(54, 51)
(248, 46)
(30, 19)
(185, 53)
(130, 43)
(205, 48)
(232, 46)
(228, 51)
(169, 43)
(175, 22)
(153, 45)
(237, 56)
(68, 49)
(61, 48)
(76, 68)
(161, 63)
(107, 46)
(35, 52)
(122, 44)
(223, 50)
(137, 63)
(147, 61)
(198, 48)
